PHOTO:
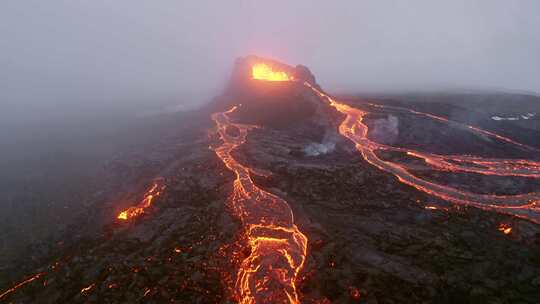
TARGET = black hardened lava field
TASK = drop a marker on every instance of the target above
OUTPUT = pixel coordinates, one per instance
(280, 192)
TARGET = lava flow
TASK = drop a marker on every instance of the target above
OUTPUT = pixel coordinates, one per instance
(471, 128)
(525, 206)
(505, 228)
(135, 211)
(21, 284)
(277, 247)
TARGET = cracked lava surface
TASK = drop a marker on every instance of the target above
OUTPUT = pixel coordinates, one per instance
(277, 247)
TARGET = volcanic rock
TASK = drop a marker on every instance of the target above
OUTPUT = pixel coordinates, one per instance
(371, 238)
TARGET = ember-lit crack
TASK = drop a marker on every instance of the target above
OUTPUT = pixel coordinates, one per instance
(505, 228)
(21, 284)
(277, 247)
(155, 190)
(132, 212)
(88, 288)
(525, 206)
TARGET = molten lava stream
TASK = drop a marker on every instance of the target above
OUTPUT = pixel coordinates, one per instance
(132, 212)
(525, 206)
(278, 248)
(471, 128)
(501, 167)
(21, 284)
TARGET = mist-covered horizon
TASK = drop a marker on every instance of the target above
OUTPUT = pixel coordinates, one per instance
(87, 57)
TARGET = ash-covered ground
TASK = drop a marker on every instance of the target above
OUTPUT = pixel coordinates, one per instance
(371, 238)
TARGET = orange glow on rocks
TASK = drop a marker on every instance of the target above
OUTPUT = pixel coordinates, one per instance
(21, 284)
(522, 205)
(262, 71)
(355, 293)
(88, 288)
(135, 211)
(505, 228)
(277, 247)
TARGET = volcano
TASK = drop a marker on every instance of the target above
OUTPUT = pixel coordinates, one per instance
(279, 192)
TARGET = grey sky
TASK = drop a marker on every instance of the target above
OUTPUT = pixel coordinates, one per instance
(98, 54)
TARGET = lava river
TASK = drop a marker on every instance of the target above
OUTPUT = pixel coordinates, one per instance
(277, 247)
(525, 206)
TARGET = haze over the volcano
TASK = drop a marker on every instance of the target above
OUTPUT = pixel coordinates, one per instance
(65, 57)
(275, 191)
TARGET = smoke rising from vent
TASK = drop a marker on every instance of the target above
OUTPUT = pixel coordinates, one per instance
(385, 130)
(316, 149)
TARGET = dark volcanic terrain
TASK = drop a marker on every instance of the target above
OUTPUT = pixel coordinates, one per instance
(371, 238)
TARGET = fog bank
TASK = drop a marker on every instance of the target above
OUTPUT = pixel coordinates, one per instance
(61, 58)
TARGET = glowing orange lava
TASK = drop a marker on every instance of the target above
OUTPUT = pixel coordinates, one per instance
(156, 189)
(88, 288)
(262, 71)
(525, 206)
(21, 284)
(132, 212)
(505, 228)
(277, 247)
(471, 128)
